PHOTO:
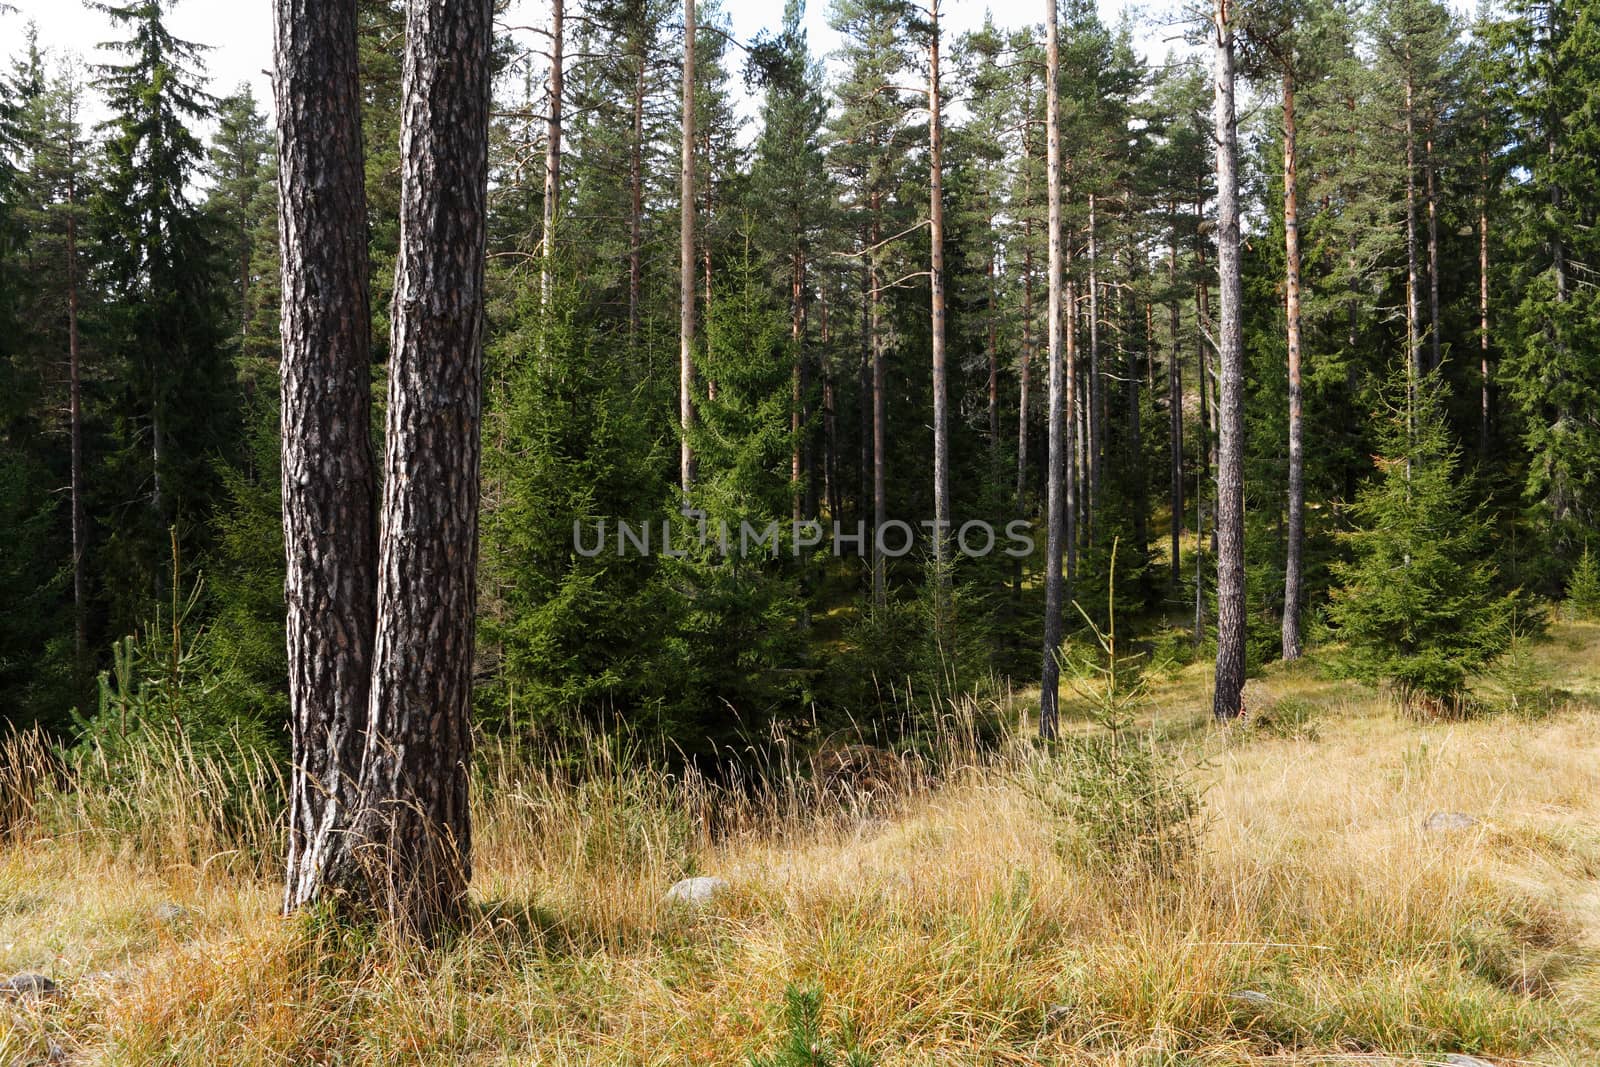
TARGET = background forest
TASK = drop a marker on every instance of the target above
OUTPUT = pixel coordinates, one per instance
(1444, 208)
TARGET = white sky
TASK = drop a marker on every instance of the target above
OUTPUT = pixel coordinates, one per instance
(239, 32)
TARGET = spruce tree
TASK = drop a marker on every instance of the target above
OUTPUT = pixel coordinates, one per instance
(1416, 605)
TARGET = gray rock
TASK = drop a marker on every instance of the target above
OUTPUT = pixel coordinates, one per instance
(696, 891)
(1447, 821)
(1251, 996)
(28, 985)
(1456, 1059)
(171, 913)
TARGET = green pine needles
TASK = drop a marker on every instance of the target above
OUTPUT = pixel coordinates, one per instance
(1417, 605)
(1583, 588)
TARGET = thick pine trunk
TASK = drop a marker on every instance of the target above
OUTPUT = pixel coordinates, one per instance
(329, 473)
(552, 150)
(1055, 507)
(414, 829)
(1227, 702)
(686, 279)
(941, 427)
(1297, 488)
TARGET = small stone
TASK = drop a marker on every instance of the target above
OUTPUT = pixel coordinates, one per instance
(1447, 821)
(1456, 1059)
(696, 891)
(1251, 996)
(28, 985)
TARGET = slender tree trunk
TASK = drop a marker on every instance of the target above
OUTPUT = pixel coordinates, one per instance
(1483, 303)
(80, 525)
(1141, 499)
(686, 278)
(864, 502)
(414, 828)
(1434, 324)
(1297, 486)
(1413, 287)
(1228, 701)
(1074, 443)
(797, 381)
(1025, 370)
(1175, 406)
(636, 197)
(830, 417)
(329, 472)
(941, 421)
(552, 150)
(1094, 413)
(992, 343)
(1056, 506)
(880, 430)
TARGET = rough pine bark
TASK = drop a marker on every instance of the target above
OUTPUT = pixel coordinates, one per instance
(1227, 701)
(413, 831)
(686, 279)
(1055, 508)
(329, 477)
(1292, 570)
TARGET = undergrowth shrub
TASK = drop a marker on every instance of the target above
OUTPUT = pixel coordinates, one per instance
(805, 1041)
(1117, 802)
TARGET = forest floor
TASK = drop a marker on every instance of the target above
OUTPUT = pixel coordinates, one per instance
(1309, 915)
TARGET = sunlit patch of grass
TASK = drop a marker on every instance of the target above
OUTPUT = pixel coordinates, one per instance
(1314, 920)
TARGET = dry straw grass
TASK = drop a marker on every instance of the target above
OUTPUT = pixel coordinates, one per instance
(953, 923)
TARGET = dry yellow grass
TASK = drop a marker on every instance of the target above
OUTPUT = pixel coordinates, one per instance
(956, 930)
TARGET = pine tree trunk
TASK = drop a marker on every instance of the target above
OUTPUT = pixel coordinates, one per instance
(880, 430)
(686, 279)
(1434, 324)
(329, 472)
(941, 427)
(797, 381)
(992, 344)
(636, 196)
(1297, 486)
(1094, 412)
(1230, 453)
(1483, 304)
(1055, 507)
(864, 390)
(1413, 286)
(414, 828)
(1025, 371)
(1175, 406)
(80, 525)
(552, 150)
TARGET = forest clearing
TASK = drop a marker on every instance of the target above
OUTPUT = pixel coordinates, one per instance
(1316, 919)
(865, 533)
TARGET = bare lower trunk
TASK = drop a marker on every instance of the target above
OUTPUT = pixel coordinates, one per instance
(1056, 506)
(686, 278)
(1413, 286)
(880, 495)
(1094, 412)
(414, 828)
(1297, 487)
(1175, 408)
(941, 429)
(636, 198)
(329, 473)
(1228, 701)
(80, 526)
(797, 382)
